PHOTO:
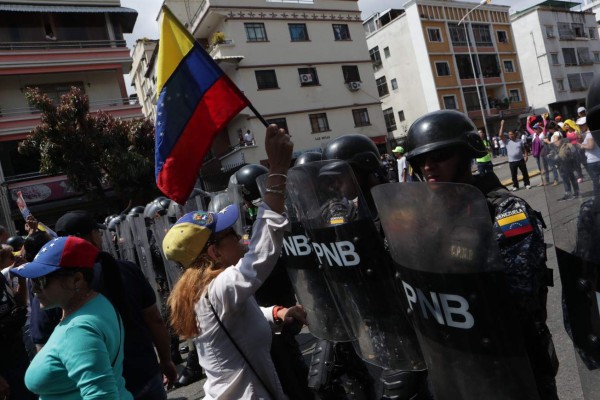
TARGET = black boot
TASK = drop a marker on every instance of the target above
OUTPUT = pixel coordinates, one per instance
(192, 371)
(175, 354)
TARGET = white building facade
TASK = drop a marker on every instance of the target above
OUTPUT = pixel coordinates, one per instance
(303, 64)
(143, 75)
(559, 51)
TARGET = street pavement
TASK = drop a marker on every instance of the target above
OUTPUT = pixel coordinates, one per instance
(568, 382)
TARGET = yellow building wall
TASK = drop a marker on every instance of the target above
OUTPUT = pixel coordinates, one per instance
(436, 47)
(517, 104)
(444, 81)
(447, 92)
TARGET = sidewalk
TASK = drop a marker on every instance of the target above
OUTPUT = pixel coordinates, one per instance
(501, 160)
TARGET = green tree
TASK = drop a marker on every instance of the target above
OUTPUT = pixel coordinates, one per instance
(93, 150)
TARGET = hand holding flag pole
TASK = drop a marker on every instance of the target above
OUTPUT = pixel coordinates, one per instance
(196, 101)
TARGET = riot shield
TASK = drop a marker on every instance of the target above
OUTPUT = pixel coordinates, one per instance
(310, 286)
(449, 271)
(358, 269)
(142, 247)
(108, 244)
(159, 227)
(125, 241)
(576, 231)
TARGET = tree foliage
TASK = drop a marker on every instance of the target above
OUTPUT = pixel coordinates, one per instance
(93, 150)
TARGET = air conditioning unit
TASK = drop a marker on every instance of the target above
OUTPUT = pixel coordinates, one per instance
(306, 78)
(354, 85)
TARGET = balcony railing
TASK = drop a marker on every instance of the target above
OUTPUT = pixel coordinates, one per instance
(94, 106)
(65, 44)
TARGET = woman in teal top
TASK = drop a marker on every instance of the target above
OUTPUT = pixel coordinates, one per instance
(83, 358)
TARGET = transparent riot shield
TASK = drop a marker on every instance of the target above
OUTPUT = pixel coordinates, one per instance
(449, 271)
(576, 231)
(242, 226)
(297, 256)
(125, 241)
(357, 267)
(142, 247)
(159, 226)
(108, 244)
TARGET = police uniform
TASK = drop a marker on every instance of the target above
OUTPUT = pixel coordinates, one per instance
(518, 229)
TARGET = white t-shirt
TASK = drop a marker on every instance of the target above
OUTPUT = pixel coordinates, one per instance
(401, 167)
(592, 156)
(248, 137)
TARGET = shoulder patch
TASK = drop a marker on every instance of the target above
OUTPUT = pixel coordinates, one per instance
(514, 223)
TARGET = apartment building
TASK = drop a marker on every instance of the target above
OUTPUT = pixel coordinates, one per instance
(593, 5)
(559, 50)
(303, 64)
(143, 74)
(54, 45)
(425, 61)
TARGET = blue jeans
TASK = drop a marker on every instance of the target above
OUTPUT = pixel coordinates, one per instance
(544, 162)
(153, 390)
(594, 171)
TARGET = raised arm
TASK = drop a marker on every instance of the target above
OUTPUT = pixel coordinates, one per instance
(501, 131)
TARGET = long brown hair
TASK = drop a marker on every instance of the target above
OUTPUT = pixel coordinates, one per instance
(187, 292)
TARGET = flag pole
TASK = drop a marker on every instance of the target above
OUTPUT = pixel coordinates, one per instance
(257, 114)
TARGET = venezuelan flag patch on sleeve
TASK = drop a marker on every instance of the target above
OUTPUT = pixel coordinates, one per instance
(514, 223)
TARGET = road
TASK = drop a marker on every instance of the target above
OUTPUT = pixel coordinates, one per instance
(568, 382)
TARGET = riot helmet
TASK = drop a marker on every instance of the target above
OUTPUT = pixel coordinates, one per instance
(246, 178)
(135, 211)
(219, 202)
(357, 150)
(309, 156)
(157, 207)
(593, 109)
(16, 242)
(443, 129)
(114, 222)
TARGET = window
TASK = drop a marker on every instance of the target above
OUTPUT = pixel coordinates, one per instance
(442, 68)
(350, 73)
(434, 34)
(401, 116)
(298, 32)
(564, 31)
(569, 56)
(592, 33)
(481, 34)
(280, 122)
(549, 31)
(14, 163)
(382, 86)
(266, 79)
(514, 95)
(502, 36)
(508, 66)
(361, 117)
(255, 32)
(394, 84)
(554, 58)
(583, 54)
(560, 85)
(458, 34)
(578, 30)
(308, 76)
(450, 102)
(375, 56)
(596, 56)
(575, 82)
(587, 78)
(465, 66)
(318, 122)
(472, 100)
(390, 120)
(386, 52)
(341, 32)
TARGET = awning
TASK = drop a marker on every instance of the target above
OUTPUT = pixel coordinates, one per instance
(127, 15)
(379, 139)
(230, 59)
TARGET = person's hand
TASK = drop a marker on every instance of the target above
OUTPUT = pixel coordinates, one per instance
(169, 373)
(279, 149)
(19, 260)
(31, 225)
(292, 314)
(4, 388)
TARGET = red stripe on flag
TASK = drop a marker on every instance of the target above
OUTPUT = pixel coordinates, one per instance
(216, 108)
(518, 231)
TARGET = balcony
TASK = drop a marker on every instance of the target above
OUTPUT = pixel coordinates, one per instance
(21, 120)
(499, 112)
(18, 58)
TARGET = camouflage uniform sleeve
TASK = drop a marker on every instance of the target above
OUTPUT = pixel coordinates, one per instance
(520, 236)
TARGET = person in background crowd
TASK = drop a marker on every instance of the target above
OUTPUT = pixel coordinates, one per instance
(484, 164)
(502, 145)
(566, 161)
(248, 138)
(552, 128)
(517, 157)
(4, 235)
(538, 152)
(573, 133)
(83, 358)
(592, 154)
(213, 301)
(496, 146)
(401, 163)
(581, 112)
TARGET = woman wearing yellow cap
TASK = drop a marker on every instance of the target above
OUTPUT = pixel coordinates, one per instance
(213, 301)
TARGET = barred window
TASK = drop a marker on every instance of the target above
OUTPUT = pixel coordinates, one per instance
(255, 32)
(341, 32)
(350, 73)
(298, 32)
(382, 86)
(361, 117)
(266, 79)
(390, 120)
(569, 56)
(318, 122)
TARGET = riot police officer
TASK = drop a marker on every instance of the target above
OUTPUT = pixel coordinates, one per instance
(440, 147)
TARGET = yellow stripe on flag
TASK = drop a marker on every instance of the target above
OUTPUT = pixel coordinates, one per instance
(175, 43)
(513, 218)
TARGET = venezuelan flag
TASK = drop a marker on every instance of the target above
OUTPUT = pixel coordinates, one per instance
(515, 225)
(196, 101)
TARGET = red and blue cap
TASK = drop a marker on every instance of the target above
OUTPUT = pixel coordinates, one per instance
(57, 254)
(186, 239)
